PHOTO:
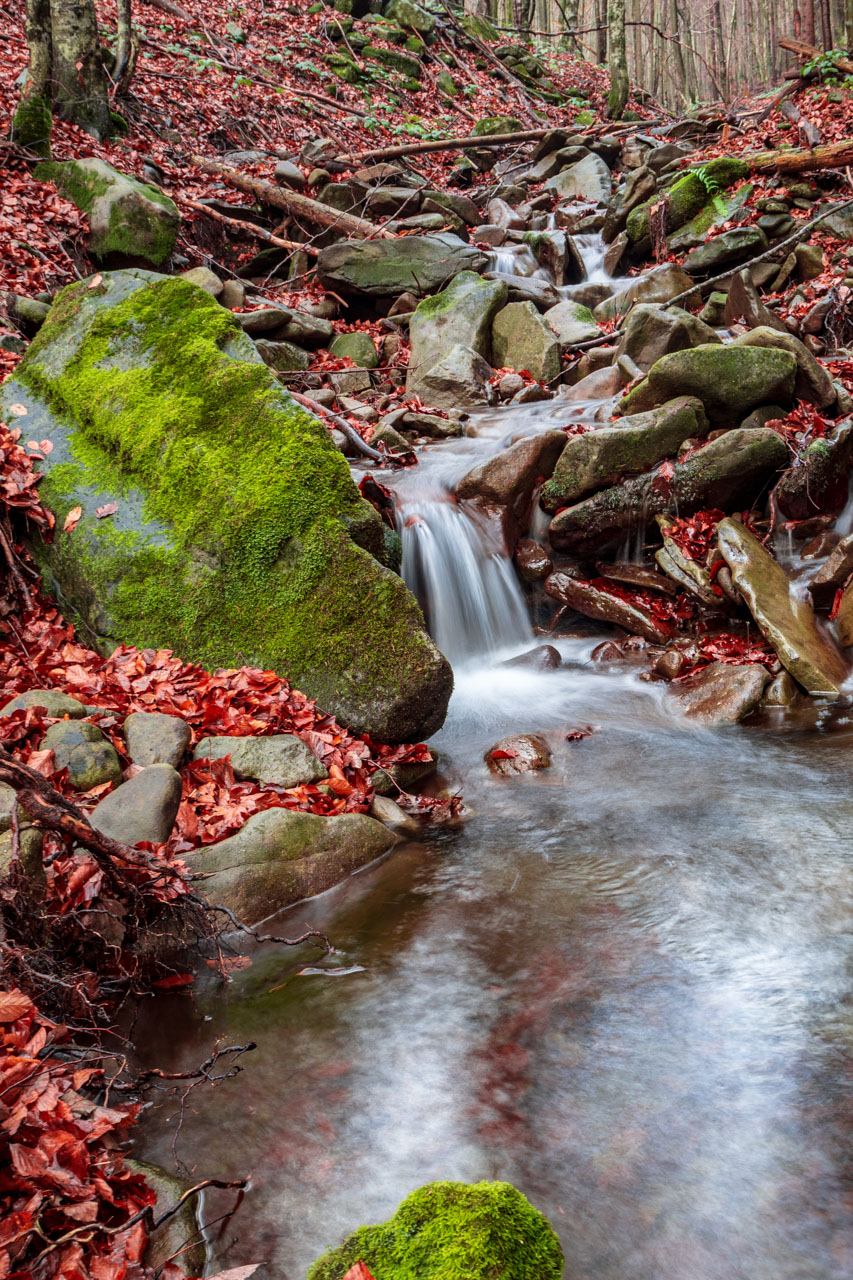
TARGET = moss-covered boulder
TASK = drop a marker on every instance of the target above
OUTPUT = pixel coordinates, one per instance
(687, 197)
(492, 126)
(453, 1231)
(730, 381)
(130, 222)
(238, 535)
(408, 14)
(523, 340)
(461, 314)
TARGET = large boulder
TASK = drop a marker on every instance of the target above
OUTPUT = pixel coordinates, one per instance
(130, 222)
(658, 285)
(818, 482)
(813, 382)
(459, 380)
(508, 479)
(727, 473)
(724, 250)
(598, 458)
(461, 314)
(651, 332)
(588, 179)
(281, 856)
(386, 268)
(238, 535)
(786, 621)
(482, 1231)
(572, 322)
(729, 380)
(686, 197)
(523, 340)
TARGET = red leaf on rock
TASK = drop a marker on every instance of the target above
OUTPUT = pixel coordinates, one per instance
(108, 509)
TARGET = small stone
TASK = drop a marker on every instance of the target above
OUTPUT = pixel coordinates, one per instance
(84, 751)
(781, 691)
(56, 704)
(154, 738)
(287, 174)
(280, 760)
(358, 347)
(545, 657)
(522, 753)
(143, 809)
(389, 812)
(233, 295)
(722, 693)
(510, 384)
(205, 279)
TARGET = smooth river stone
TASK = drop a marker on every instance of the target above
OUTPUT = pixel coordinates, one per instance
(721, 693)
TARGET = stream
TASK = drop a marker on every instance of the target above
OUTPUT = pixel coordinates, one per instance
(623, 984)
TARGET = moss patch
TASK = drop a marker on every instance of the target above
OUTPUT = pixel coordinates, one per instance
(453, 1231)
(32, 123)
(240, 536)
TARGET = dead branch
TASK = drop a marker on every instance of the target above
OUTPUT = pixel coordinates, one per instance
(300, 206)
(250, 228)
(6, 543)
(443, 144)
(834, 155)
(808, 52)
(342, 425)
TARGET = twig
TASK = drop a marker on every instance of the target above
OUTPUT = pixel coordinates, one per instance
(342, 425)
(250, 228)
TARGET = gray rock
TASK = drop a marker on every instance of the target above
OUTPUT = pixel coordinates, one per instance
(280, 760)
(154, 738)
(599, 458)
(281, 856)
(385, 268)
(306, 330)
(461, 315)
(264, 319)
(455, 202)
(729, 380)
(588, 179)
(832, 574)
(387, 811)
(523, 289)
(813, 382)
(651, 332)
(130, 222)
(460, 379)
(721, 693)
(743, 303)
(818, 482)
(283, 357)
(205, 279)
(640, 186)
(554, 162)
(658, 285)
(522, 340)
(144, 808)
(786, 621)
(84, 751)
(726, 249)
(30, 842)
(233, 295)
(55, 703)
(572, 322)
(287, 174)
(500, 214)
(356, 346)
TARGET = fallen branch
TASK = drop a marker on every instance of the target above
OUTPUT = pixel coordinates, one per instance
(250, 228)
(808, 53)
(342, 425)
(708, 285)
(300, 206)
(835, 155)
(443, 144)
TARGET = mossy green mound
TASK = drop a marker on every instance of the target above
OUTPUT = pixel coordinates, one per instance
(688, 196)
(239, 535)
(32, 123)
(453, 1231)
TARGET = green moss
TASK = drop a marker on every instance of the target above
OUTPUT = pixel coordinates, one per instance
(253, 553)
(685, 198)
(32, 123)
(453, 1231)
(491, 125)
(77, 185)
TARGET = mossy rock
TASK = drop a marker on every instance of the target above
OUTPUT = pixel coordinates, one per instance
(396, 59)
(32, 123)
(491, 125)
(688, 196)
(239, 535)
(410, 15)
(130, 222)
(453, 1231)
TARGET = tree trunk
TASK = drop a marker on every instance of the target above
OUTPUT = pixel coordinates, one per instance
(38, 42)
(79, 82)
(618, 59)
(124, 31)
(826, 24)
(808, 29)
(848, 24)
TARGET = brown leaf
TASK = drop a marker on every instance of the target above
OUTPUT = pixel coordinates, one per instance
(72, 518)
(108, 509)
(13, 1005)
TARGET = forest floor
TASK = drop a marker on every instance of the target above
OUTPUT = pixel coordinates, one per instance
(69, 1204)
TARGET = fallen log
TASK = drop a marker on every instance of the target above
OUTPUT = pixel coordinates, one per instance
(250, 228)
(808, 53)
(442, 144)
(834, 155)
(300, 206)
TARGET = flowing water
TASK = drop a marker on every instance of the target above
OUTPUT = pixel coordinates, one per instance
(624, 984)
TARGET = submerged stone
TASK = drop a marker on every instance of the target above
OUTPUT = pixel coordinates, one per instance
(239, 536)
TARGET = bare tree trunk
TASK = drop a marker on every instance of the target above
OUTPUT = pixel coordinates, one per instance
(618, 59)
(848, 24)
(807, 12)
(601, 33)
(826, 24)
(31, 122)
(124, 31)
(80, 84)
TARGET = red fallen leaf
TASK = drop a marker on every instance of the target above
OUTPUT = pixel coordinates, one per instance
(72, 519)
(504, 753)
(836, 604)
(174, 980)
(13, 1005)
(359, 1272)
(108, 509)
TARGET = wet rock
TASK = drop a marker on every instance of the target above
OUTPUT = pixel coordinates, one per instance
(144, 808)
(813, 382)
(685, 198)
(525, 289)
(404, 776)
(460, 379)
(637, 575)
(572, 322)
(721, 693)
(729, 380)
(650, 332)
(820, 545)
(385, 268)
(508, 480)
(726, 473)
(719, 210)
(640, 187)
(669, 664)
(588, 179)
(595, 603)
(556, 253)
(786, 621)
(486, 234)
(689, 574)
(263, 320)
(832, 575)
(281, 856)
(781, 691)
(388, 812)
(607, 652)
(726, 249)
(818, 482)
(461, 314)
(532, 561)
(601, 384)
(743, 303)
(844, 619)
(522, 340)
(510, 385)
(283, 357)
(55, 704)
(170, 1240)
(522, 753)
(543, 658)
(154, 738)
(599, 458)
(280, 760)
(84, 751)
(658, 285)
